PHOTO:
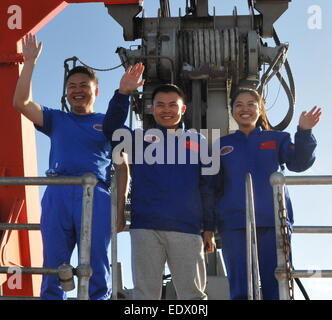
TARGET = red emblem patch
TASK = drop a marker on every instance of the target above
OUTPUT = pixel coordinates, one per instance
(268, 145)
(192, 145)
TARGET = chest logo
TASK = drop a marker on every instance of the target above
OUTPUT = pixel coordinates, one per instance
(150, 138)
(192, 145)
(98, 127)
(226, 150)
(268, 145)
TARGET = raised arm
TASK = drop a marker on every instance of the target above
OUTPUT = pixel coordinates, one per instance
(118, 107)
(300, 155)
(23, 101)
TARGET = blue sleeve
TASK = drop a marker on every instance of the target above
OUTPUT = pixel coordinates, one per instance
(209, 190)
(208, 202)
(298, 156)
(47, 121)
(116, 114)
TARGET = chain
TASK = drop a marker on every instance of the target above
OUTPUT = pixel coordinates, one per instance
(96, 69)
(286, 245)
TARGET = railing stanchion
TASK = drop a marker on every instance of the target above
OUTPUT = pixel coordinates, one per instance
(114, 243)
(84, 270)
(254, 291)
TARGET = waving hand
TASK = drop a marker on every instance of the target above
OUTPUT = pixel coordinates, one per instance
(130, 81)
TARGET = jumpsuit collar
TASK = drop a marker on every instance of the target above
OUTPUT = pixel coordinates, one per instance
(164, 130)
(254, 132)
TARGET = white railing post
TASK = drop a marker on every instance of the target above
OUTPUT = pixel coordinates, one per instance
(84, 270)
(114, 243)
(254, 291)
(277, 181)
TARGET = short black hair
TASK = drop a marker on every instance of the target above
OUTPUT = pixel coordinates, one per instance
(168, 88)
(82, 69)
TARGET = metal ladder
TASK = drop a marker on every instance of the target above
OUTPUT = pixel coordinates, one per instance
(65, 271)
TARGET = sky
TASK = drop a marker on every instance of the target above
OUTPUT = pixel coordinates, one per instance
(88, 32)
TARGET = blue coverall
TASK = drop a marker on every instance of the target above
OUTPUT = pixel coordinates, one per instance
(78, 146)
(260, 153)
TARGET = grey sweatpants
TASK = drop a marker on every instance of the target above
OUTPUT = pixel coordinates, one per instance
(184, 254)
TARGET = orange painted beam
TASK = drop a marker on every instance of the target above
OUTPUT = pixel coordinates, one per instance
(17, 144)
(109, 1)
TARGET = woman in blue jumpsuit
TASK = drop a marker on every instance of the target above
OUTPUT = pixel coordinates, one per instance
(256, 149)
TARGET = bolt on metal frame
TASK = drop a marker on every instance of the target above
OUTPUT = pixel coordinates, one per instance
(83, 271)
(278, 182)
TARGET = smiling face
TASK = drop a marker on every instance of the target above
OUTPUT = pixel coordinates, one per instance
(168, 109)
(81, 93)
(246, 111)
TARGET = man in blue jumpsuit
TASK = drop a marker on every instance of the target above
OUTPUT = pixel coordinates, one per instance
(167, 213)
(78, 146)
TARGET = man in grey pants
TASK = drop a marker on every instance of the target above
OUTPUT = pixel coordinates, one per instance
(168, 200)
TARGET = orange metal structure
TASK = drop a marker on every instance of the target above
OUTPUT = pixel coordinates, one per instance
(17, 143)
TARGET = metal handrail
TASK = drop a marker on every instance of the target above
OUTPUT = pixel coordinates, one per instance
(253, 277)
(278, 182)
(114, 243)
(83, 271)
(28, 270)
(312, 229)
(19, 226)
